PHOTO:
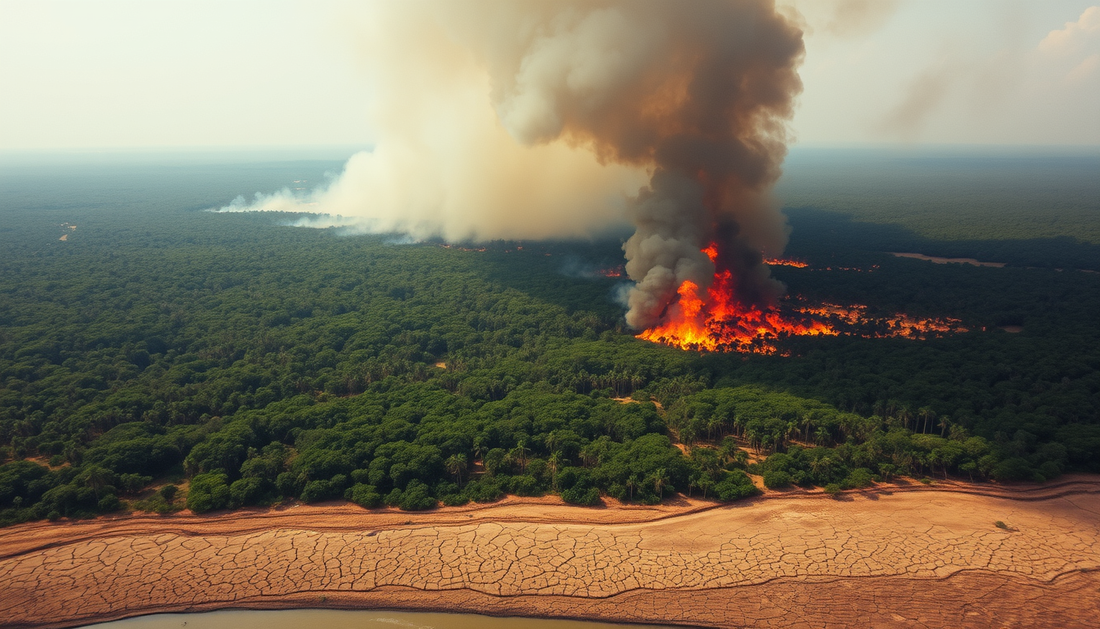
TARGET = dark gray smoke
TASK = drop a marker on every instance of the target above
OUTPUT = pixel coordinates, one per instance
(698, 93)
(505, 119)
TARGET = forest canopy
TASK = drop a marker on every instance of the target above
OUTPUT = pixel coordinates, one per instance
(162, 357)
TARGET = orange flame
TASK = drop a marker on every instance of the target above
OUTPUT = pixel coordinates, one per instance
(720, 322)
(798, 264)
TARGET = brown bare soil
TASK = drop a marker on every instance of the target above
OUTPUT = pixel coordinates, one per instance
(892, 556)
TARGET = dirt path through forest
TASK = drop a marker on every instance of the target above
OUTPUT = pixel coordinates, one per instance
(895, 556)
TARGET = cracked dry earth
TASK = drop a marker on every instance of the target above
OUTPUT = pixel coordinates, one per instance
(921, 559)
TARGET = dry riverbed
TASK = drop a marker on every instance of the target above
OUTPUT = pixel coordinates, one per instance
(905, 556)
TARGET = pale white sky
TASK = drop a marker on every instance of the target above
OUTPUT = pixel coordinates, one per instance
(951, 71)
(160, 74)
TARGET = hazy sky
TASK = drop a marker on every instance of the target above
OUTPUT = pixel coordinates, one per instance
(113, 74)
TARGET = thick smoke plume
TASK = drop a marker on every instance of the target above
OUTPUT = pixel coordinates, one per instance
(533, 119)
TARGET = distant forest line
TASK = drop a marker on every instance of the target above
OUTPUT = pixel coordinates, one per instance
(950, 194)
(163, 357)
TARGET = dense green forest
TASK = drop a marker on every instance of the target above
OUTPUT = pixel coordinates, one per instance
(955, 196)
(161, 356)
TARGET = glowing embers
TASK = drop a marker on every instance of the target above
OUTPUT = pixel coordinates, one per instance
(721, 322)
(798, 264)
(854, 320)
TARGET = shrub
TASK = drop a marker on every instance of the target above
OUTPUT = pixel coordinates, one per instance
(245, 491)
(208, 491)
(581, 496)
(416, 497)
(133, 483)
(168, 492)
(365, 496)
(525, 485)
(318, 490)
(455, 499)
(858, 478)
(484, 490)
(776, 479)
(393, 499)
(1016, 468)
(734, 486)
(1050, 469)
(109, 503)
(289, 484)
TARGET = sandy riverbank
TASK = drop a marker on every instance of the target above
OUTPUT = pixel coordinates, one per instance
(898, 556)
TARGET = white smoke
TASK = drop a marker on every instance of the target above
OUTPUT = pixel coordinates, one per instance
(542, 118)
(444, 162)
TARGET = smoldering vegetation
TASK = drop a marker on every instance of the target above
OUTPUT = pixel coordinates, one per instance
(241, 362)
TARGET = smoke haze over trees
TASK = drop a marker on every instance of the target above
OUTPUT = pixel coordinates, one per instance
(247, 363)
(540, 119)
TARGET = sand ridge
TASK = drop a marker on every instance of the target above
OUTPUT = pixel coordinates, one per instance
(783, 561)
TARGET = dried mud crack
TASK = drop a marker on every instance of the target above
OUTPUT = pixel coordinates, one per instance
(907, 559)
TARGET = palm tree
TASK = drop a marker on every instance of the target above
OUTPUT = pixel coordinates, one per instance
(631, 484)
(945, 423)
(933, 458)
(705, 484)
(660, 481)
(754, 438)
(879, 408)
(806, 422)
(687, 435)
(768, 442)
(905, 414)
(479, 450)
(520, 452)
(554, 463)
(792, 431)
(729, 423)
(588, 455)
(553, 440)
(887, 470)
(455, 464)
(738, 425)
(714, 424)
(821, 435)
(97, 478)
(816, 464)
(822, 464)
(926, 414)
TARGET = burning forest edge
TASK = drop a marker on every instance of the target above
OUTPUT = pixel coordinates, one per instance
(716, 319)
